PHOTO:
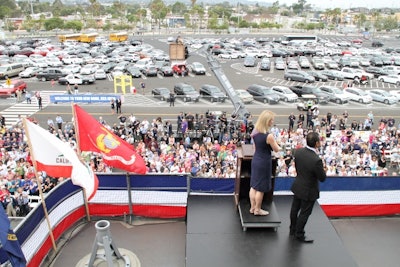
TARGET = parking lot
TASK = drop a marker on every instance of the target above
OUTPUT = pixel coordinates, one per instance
(240, 77)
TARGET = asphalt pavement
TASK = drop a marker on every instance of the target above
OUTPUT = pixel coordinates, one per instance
(144, 105)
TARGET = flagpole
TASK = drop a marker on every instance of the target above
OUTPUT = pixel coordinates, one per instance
(130, 204)
(46, 214)
(79, 153)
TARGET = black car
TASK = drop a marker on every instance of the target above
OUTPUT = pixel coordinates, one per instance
(134, 72)
(301, 90)
(263, 94)
(186, 92)
(212, 93)
(108, 67)
(376, 44)
(161, 92)
(166, 71)
(50, 74)
(318, 76)
(150, 71)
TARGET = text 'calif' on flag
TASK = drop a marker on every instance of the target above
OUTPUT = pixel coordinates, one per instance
(116, 152)
(58, 158)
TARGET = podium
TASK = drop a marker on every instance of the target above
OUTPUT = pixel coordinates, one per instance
(242, 188)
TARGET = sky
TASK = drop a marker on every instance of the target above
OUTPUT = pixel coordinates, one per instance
(343, 4)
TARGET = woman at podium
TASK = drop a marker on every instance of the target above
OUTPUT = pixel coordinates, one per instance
(261, 164)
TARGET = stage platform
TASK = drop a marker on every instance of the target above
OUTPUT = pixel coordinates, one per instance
(213, 236)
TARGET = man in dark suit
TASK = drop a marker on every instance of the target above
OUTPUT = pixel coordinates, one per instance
(310, 171)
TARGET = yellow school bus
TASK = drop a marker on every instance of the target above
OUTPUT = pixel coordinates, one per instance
(88, 37)
(69, 37)
(118, 37)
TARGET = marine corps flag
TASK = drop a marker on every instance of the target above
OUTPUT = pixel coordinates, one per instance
(116, 152)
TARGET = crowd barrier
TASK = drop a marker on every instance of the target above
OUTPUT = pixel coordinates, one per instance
(165, 196)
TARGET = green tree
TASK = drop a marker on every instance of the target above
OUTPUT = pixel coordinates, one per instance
(158, 11)
(274, 9)
(390, 23)
(75, 25)
(53, 23)
(360, 20)
(7, 7)
(178, 8)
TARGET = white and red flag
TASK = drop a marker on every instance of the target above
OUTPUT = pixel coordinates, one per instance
(58, 158)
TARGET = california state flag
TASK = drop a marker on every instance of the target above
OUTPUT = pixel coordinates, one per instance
(58, 158)
(116, 152)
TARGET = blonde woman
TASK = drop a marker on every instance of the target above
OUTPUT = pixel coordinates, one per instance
(261, 164)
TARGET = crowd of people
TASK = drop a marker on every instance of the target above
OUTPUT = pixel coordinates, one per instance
(206, 145)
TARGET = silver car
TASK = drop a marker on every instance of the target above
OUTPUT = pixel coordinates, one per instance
(383, 96)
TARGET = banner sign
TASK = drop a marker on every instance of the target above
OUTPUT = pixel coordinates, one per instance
(83, 98)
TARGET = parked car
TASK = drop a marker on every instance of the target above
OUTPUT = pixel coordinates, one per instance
(150, 71)
(358, 95)
(335, 94)
(383, 96)
(89, 69)
(134, 71)
(265, 64)
(100, 74)
(244, 96)
(298, 75)
(11, 89)
(318, 76)
(166, 71)
(50, 74)
(72, 68)
(333, 75)
(249, 61)
(285, 93)
(180, 69)
(376, 71)
(29, 72)
(186, 92)
(263, 94)
(376, 44)
(301, 90)
(212, 93)
(280, 64)
(395, 79)
(161, 92)
(76, 79)
(197, 68)
(395, 93)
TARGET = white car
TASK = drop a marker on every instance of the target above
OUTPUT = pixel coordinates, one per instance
(89, 69)
(285, 93)
(29, 72)
(228, 54)
(72, 59)
(72, 68)
(358, 95)
(40, 63)
(245, 96)
(53, 62)
(395, 93)
(100, 74)
(390, 79)
(101, 59)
